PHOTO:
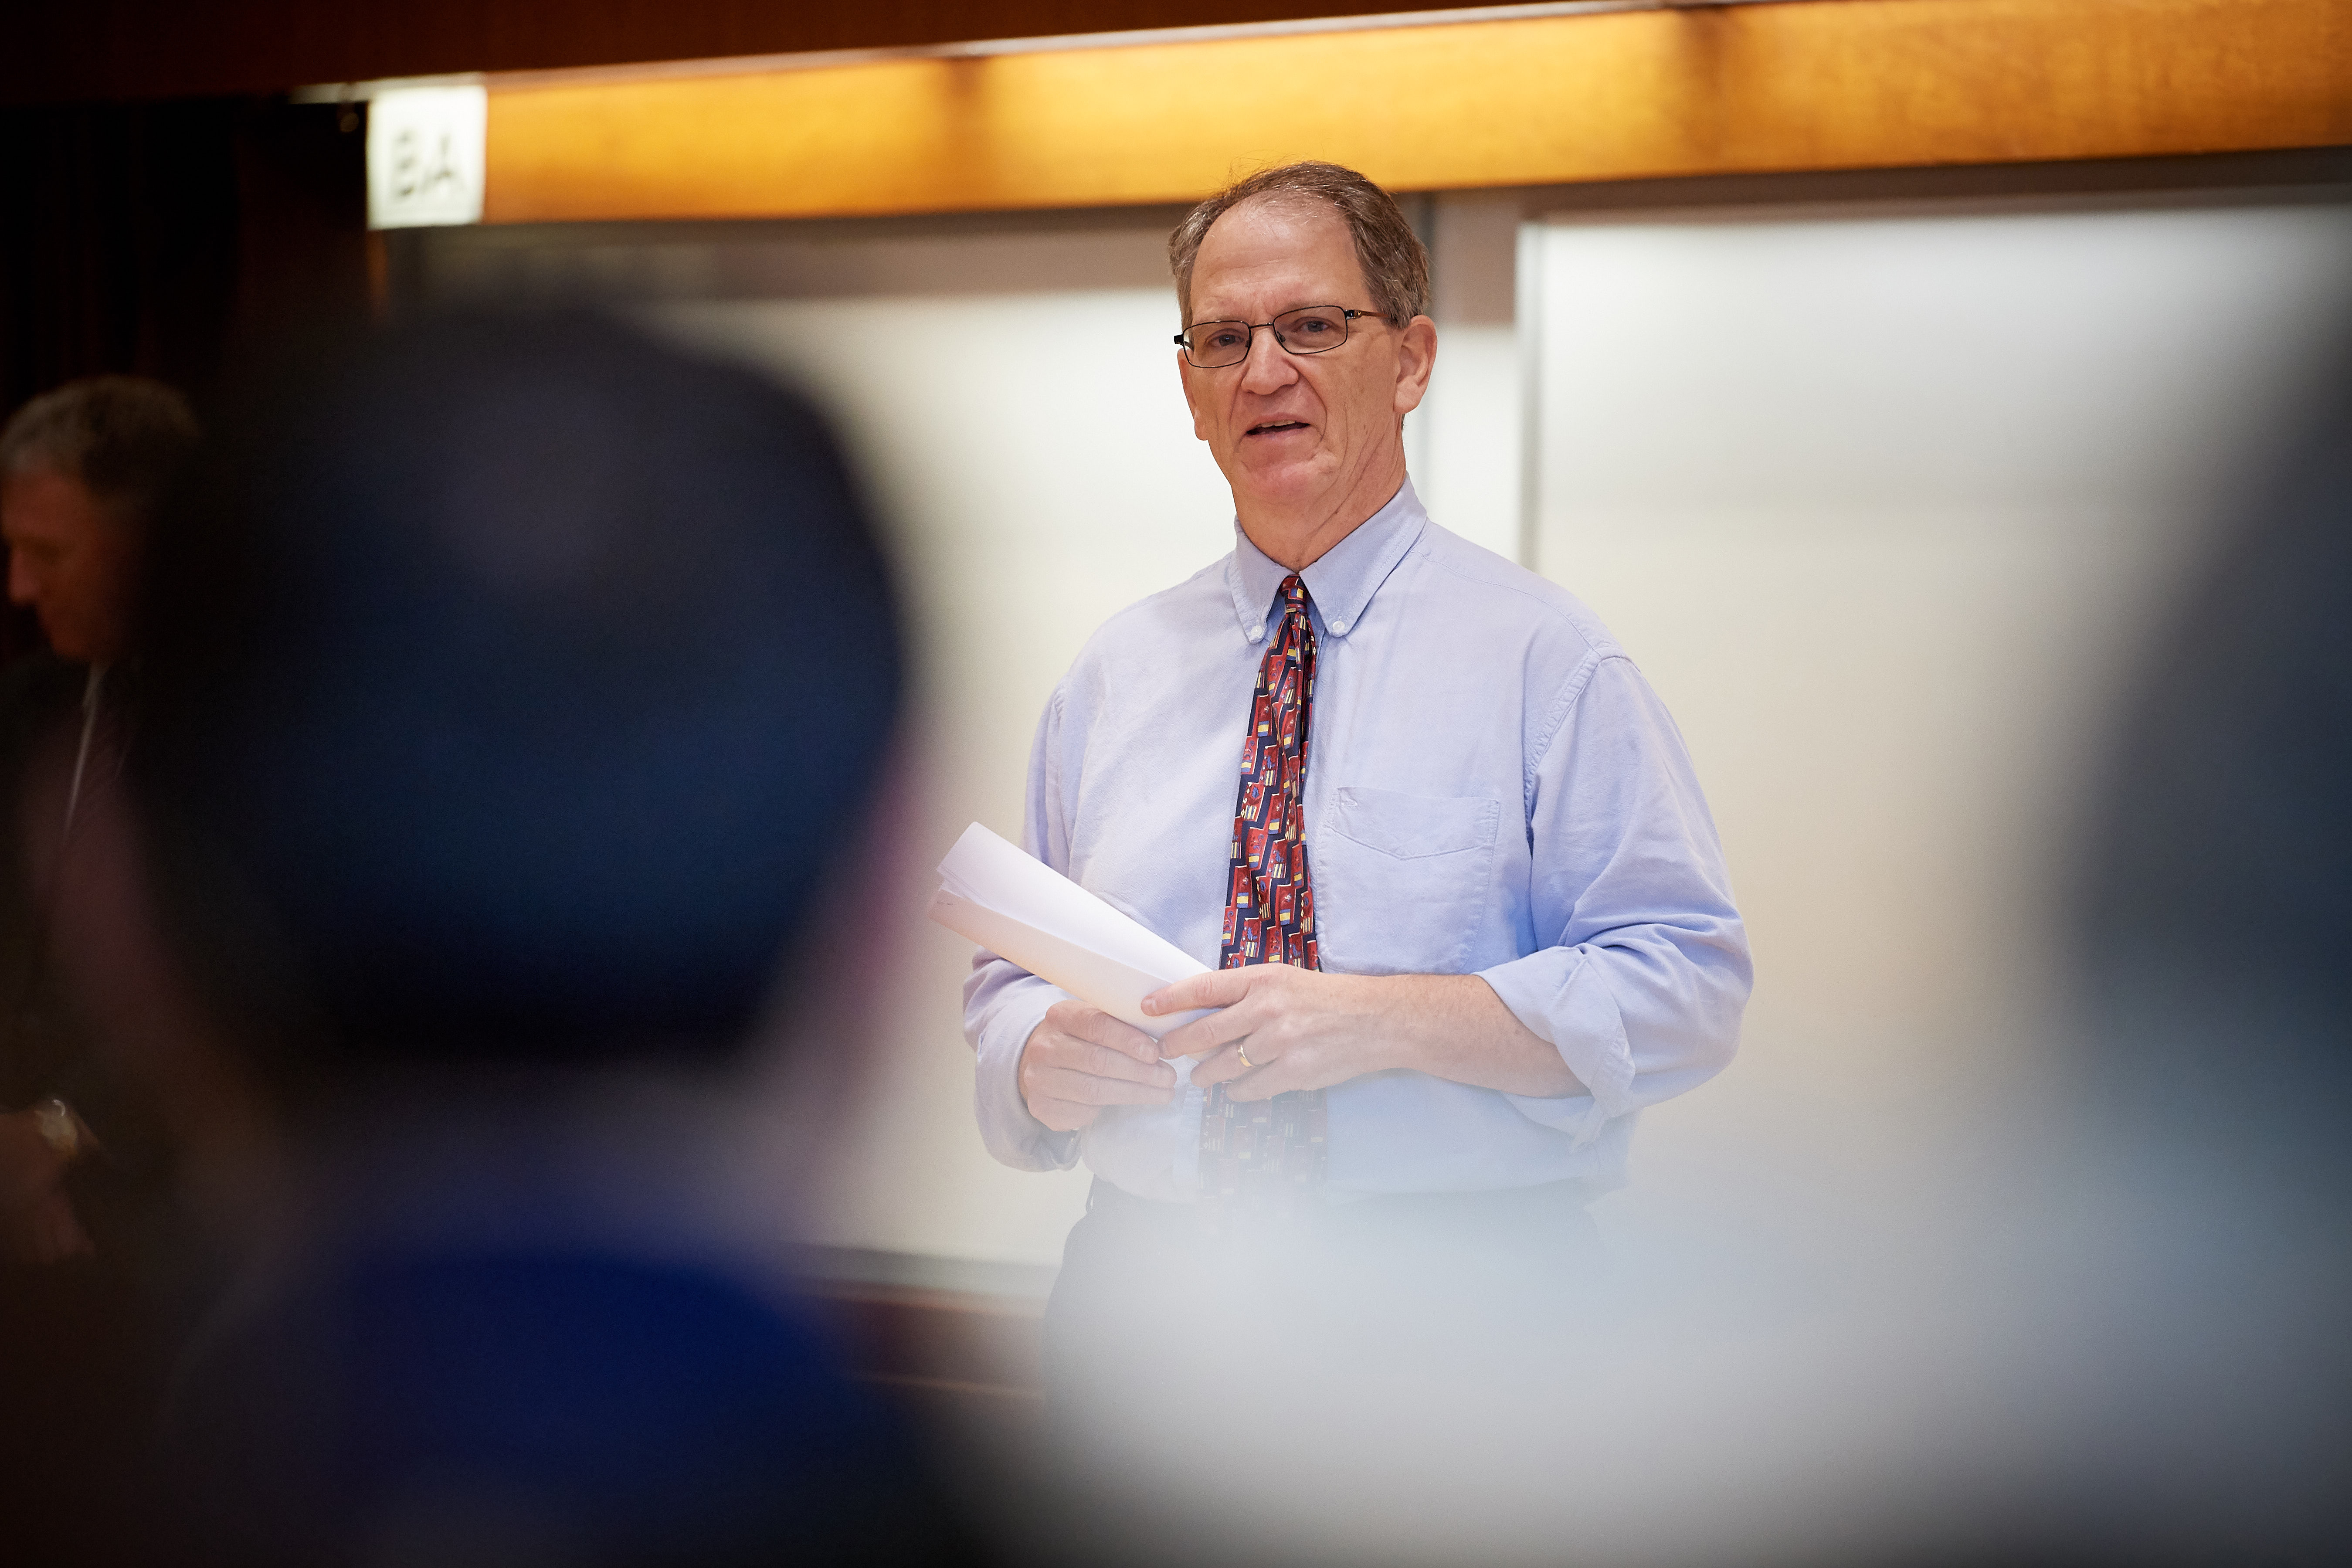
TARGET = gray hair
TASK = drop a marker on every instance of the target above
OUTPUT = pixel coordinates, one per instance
(124, 437)
(1395, 266)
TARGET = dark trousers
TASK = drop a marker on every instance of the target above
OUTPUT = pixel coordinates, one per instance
(1231, 1393)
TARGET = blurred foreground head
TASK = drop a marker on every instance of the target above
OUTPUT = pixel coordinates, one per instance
(2216, 921)
(2216, 1391)
(516, 684)
(515, 681)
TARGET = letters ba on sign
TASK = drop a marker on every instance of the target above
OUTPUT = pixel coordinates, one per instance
(425, 156)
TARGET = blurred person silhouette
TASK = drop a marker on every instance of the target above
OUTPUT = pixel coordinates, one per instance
(521, 698)
(2121, 1337)
(90, 1237)
(2146, 1284)
(2214, 1101)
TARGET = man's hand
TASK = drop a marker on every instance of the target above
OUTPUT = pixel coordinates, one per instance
(37, 1219)
(1305, 1028)
(1080, 1058)
(1299, 1029)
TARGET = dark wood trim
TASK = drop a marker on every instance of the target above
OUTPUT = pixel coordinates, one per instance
(70, 50)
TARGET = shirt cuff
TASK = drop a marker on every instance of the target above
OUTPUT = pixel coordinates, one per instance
(1013, 1136)
(1562, 996)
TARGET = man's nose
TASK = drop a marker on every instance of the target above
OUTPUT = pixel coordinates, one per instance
(1269, 367)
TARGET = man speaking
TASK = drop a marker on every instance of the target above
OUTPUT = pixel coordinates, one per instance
(1437, 837)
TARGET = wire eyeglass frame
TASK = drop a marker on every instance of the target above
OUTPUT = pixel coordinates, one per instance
(1184, 340)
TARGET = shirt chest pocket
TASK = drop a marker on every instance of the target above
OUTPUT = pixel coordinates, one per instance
(1400, 879)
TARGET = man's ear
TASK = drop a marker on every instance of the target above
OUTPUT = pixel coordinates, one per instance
(1416, 357)
(1199, 426)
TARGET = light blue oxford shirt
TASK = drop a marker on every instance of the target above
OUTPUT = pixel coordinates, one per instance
(1492, 788)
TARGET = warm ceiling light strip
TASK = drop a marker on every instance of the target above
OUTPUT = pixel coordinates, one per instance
(1542, 100)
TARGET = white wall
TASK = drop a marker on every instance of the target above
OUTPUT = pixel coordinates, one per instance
(1466, 467)
(1034, 455)
(1884, 508)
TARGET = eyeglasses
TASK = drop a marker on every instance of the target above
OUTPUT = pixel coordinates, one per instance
(1309, 330)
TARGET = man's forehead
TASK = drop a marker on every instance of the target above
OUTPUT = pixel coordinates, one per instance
(43, 502)
(1268, 244)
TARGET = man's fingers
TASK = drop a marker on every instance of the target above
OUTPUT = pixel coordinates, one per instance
(1102, 1061)
(1202, 1037)
(1221, 1065)
(1092, 1023)
(1079, 1059)
(1218, 988)
(1075, 1055)
(1266, 1082)
(1086, 1088)
(1248, 1080)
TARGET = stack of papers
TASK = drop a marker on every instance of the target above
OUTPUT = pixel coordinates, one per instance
(1019, 908)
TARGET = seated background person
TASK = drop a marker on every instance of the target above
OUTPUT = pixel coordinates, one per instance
(83, 469)
(89, 1231)
(520, 687)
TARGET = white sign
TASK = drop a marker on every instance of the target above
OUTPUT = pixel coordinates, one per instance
(425, 156)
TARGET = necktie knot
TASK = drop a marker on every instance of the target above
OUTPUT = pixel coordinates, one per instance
(1293, 596)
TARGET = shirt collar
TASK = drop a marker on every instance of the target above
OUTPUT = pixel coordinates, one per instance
(1341, 582)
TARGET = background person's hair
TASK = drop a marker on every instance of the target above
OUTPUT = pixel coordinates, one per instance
(125, 437)
(515, 681)
(1395, 264)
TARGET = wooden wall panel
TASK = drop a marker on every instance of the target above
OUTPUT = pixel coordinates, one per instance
(1827, 84)
(61, 51)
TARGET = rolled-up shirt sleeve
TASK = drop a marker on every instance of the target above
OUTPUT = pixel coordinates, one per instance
(1003, 1003)
(1644, 970)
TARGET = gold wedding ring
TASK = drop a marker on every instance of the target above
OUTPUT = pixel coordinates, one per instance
(1241, 1049)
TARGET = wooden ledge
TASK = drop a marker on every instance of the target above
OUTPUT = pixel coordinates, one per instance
(1810, 85)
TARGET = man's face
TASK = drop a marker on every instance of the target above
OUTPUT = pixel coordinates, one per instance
(1301, 432)
(67, 559)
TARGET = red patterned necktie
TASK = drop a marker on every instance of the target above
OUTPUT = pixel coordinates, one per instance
(1263, 1154)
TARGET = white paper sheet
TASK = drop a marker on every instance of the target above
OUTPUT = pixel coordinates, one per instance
(1019, 908)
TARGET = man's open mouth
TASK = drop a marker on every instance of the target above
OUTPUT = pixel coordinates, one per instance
(1274, 426)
